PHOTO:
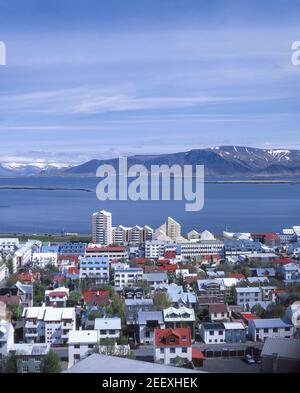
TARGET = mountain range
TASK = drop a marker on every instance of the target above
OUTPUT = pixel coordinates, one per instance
(220, 161)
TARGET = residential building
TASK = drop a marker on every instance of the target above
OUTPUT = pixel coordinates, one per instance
(102, 228)
(72, 249)
(280, 355)
(29, 357)
(235, 332)
(57, 297)
(23, 255)
(130, 277)
(147, 322)
(212, 288)
(3, 272)
(133, 306)
(95, 267)
(48, 325)
(9, 244)
(81, 344)
(154, 279)
(42, 259)
(212, 332)
(154, 249)
(120, 235)
(170, 344)
(241, 247)
(244, 295)
(261, 329)
(25, 291)
(181, 317)
(219, 312)
(194, 249)
(112, 253)
(108, 327)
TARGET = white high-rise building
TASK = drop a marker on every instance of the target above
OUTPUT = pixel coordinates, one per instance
(102, 229)
(173, 229)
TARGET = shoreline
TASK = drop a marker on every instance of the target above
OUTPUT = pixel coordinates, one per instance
(44, 188)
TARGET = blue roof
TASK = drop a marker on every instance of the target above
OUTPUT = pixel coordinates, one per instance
(270, 323)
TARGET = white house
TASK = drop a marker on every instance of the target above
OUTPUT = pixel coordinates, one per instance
(9, 244)
(3, 272)
(127, 277)
(42, 259)
(219, 312)
(172, 343)
(212, 332)
(261, 329)
(49, 325)
(23, 255)
(247, 295)
(95, 267)
(108, 327)
(179, 318)
(80, 344)
(57, 297)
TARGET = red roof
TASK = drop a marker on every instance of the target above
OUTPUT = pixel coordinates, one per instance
(197, 354)
(58, 293)
(87, 294)
(73, 258)
(163, 261)
(170, 254)
(248, 316)
(28, 276)
(140, 260)
(269, 236)
(279, 291)
(173, 337)
(237, 275)
(283, 261)
(73, 270)
(106, 249)
(59, 278)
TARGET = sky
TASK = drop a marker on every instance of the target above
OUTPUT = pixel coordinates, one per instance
(100, 78)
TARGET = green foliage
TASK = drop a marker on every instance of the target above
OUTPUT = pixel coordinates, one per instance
(9, 363)
(9, 264)
(95, 314)
(51, 363)
(74, 298)
(274, 311)
(116, 307)
(12, 279)
(16, 310)
(161, 301)
(258, 310)
(38, 293)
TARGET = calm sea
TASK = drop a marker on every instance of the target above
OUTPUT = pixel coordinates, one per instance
(235, 207)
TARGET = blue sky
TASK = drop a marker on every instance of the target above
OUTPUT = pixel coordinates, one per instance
(88, 79)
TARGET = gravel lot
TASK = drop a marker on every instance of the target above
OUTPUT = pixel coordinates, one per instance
(229, 366)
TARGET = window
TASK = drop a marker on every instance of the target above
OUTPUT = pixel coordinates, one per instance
(211, 332)
(37, 359)
(220, 332)
(76, 346)
(275, 330)
(77, 357)
(287, 329)
(90, 346)
(184, 350)
(266, 330)
(25, 369)
(172, 350)
(161, 350)
(112, 332)
(37, 369)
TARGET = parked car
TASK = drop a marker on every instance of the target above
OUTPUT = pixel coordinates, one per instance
(249, 359)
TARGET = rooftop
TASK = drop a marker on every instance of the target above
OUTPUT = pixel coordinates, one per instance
(284, 347)
(97, 363)
(83, 336)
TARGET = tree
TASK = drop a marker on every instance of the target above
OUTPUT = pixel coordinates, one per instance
(161, 301)
(116, 307)
(51, 363)
(95, 314)
(16, 311)
(9, 363)
(258, 310)
(12, 279)
(9, 264)
(74, 298)
(38, 293)
(275, 311)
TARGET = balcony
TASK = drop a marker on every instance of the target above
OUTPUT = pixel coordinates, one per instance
(30, 325)
(31, 334)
